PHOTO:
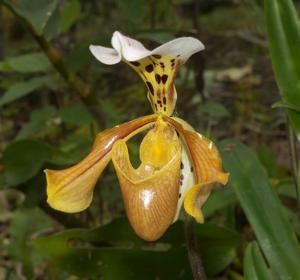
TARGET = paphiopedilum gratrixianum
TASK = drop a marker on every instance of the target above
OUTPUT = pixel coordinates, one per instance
(178, 165)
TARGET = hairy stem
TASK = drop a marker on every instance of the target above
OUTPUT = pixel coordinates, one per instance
(192, 248)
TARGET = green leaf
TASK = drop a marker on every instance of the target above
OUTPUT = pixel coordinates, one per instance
(78, 58)
(284, 40)
(214, 109)
(24, 159)
(135, 10)
(217, 247)
(69, 14)
(287, 188)
(267, 158)
(112, 115)
(263, 209)
(255, 267)
(23, 88)
(38, 13)
(38, 120)
(115, 252)
(284, 104)
(27, 63)
(24, 224)
(77, 145)
(293, 217)
(52, 27)
(76, 114)
(218, 200)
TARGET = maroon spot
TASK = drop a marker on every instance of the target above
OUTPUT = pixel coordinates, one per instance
(135, 63)
(164, 78)
(159, 103)
(157, 78)
(149, 68)
(181, 177)
(162, 65)
(150, 87)
(158, 94)
(179, 195)
(172, 60)
(165, 109)
(192, 169)
(164, 101)
(156, 56)
(181, 165)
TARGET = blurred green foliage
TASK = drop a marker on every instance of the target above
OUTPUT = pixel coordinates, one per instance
(54, 98)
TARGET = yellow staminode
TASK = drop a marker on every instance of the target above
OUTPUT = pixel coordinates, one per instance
(159, 145)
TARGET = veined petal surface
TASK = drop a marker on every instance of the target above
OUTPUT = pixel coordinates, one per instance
(151, 191)
(207, 167)
(71, 190)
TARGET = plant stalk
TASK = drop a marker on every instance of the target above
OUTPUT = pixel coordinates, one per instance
(192, 248)
(294, 158)
(74, 82)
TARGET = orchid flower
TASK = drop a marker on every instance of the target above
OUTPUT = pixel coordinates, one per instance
(178, 165)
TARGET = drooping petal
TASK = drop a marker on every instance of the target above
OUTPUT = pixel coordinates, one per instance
(207, 168)
(157, 68)
(194, 200)
(181, 48)
(71, 190)
(107, 56)
(150, 192)
(130, 49)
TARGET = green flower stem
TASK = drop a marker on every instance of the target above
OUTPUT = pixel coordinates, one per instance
(192, 248)
(294, 158)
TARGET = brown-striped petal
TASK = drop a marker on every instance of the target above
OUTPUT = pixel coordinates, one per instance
(207, 167)
(150, 192)
(71, 190)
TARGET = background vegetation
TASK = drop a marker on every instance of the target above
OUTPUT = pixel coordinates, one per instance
(54, 98)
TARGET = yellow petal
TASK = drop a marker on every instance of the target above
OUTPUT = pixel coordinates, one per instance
(150, 192)
(194, 200)
(206, 159)
(74, 194)
(207, 167)
(71, 190)
(158, 72)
